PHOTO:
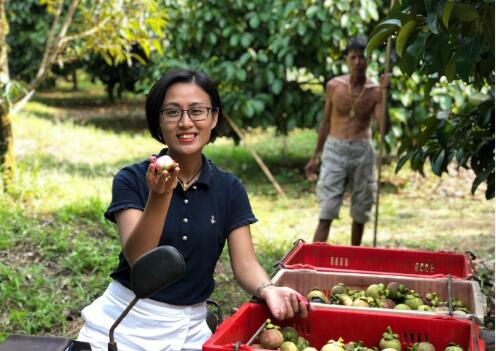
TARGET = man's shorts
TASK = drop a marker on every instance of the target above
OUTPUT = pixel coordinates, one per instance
(346, 164)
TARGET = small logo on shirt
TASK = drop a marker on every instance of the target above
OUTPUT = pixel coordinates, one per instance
(212, 219)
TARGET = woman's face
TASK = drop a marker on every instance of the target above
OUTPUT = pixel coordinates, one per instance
(182, 134)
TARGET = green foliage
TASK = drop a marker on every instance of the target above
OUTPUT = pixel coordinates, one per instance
(29, 25)
(447, 42)
(270, 58)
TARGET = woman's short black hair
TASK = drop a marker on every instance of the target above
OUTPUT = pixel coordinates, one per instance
(157, 93)
(358, 43)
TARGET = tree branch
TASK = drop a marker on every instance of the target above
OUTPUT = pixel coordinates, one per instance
(87, 33)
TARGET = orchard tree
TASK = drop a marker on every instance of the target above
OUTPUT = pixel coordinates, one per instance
(271, 59)
(108, 28)
(448, 48)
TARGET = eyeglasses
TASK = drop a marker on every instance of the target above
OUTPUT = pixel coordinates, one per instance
(195, 113)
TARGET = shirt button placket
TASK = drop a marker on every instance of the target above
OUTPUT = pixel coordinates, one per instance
(185, 221)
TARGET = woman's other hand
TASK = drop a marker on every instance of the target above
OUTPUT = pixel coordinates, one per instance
(284, 302)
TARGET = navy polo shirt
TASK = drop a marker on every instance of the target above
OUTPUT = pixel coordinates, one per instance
(197, 224)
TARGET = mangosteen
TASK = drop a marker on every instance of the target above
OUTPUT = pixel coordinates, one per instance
(361, 302)
(271, 339)
(453, 347)
(333, 345)
(288, 346)
(423, 346)
(315, 295)
(424, 308)
(413, 301)
(377, 291)
(302, 343)
(431, 299)
(339, 289)
(290, 334)
(354, 346)
(386, 303)
(345, 300)
(390, 340)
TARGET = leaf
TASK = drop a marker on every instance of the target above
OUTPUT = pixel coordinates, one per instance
(277, 86)
(465, 12)
(379, 38)
(437, 163)
(448, 8)
(401, 162)
(482, 176)
(388, 23)
(403, 36)
(254, 22)
(241, 74)
(450, 70)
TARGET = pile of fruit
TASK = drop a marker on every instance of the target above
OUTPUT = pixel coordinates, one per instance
(273, 337)
(394, 296)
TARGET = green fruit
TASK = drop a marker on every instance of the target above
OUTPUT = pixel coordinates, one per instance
(345, 300)
(361, 302)
(290, 334)
(402, 306)
(377, 291)
(390, 340)
(339, 289)
(453, 347)
(424, 308)
(414, 302)
(302, 343)
(288, 346)
(309, 349)
(423, 346)
(315, 295)
(386, 303)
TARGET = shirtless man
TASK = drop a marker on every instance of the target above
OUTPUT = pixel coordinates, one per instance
(344, 144)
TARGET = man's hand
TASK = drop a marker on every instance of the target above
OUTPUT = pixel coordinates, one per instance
(384, 82)
(311, 170)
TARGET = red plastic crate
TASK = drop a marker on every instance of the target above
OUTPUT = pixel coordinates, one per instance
(324, 324)
(468, 291)
(325, 257)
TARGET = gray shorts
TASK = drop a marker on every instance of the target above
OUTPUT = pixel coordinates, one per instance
(346, 165)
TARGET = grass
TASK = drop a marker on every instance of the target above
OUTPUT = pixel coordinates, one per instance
(56, 250)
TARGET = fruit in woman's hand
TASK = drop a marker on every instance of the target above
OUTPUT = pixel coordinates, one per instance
(165, 162)
(390, 340)
(271, 339)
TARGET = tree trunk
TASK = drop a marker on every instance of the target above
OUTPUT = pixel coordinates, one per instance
(7, 159)
(7, 156)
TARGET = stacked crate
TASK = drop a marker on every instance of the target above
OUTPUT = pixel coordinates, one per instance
(320, 265)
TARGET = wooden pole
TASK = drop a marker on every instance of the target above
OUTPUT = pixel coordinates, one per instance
(257, 158)
(382, 125)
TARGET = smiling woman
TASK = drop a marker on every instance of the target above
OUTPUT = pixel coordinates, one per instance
(210, 208)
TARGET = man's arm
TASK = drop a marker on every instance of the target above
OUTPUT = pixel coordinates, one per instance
(325, 127)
